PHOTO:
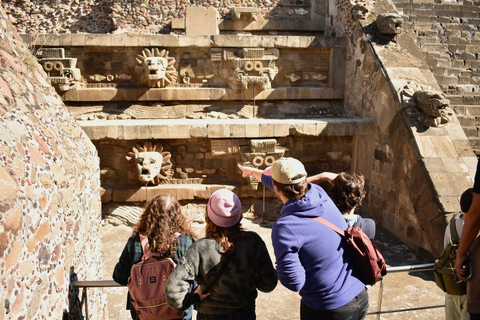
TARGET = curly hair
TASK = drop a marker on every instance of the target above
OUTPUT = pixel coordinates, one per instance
(162, 220)
(224, 236)
(348, 191)
(293, 191)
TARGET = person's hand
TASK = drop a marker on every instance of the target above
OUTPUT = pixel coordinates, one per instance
(246, 171)
(200, 294)
(459, 267)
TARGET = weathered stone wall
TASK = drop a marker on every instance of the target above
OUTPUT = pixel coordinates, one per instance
(448, 36)
(49, 194)
(418, 172)
(137, 16)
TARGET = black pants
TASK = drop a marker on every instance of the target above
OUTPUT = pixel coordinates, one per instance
(356, 309)
(242, 314)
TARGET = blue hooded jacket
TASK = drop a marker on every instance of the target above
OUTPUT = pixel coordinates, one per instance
(310, 256)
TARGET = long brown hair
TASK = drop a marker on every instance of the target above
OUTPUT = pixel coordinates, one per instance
(223, 236)
(162, 220)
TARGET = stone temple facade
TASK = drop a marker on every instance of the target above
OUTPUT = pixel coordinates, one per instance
(173, 95)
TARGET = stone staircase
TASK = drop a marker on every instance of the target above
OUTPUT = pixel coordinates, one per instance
(448, 33)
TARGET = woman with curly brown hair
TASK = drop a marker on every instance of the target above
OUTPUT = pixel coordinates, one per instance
(229, 265)
(348, 192)
(168, 232)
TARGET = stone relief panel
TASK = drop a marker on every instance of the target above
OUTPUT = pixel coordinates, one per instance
(75, 68)
(305, 68)
(224, 110)
(62, 71)
(133, 164)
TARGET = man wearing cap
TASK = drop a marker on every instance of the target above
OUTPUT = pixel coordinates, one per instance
(310, 257)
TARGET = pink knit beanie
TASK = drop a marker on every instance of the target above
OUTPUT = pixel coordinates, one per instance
(224, 208)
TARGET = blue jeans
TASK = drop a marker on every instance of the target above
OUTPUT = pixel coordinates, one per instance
(474, 316)
(242, 314)
(356, 309)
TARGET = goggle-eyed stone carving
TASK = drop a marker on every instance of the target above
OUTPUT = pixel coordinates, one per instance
(62, 71)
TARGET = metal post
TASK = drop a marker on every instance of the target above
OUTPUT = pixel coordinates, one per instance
(380, 298)
(263, 209)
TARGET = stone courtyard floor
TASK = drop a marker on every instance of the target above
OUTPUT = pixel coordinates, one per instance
(401, 290)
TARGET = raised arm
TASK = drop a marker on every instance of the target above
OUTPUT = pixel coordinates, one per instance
(324, 176)
(249, 171)
(470, 232)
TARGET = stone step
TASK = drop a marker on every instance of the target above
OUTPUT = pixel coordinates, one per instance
(470, 132)
(475, 143)
(466, 122)
(464, 99)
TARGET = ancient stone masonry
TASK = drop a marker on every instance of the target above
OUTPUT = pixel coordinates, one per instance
(146, 17)
(173, 107)
(448, 37)
(50, 221)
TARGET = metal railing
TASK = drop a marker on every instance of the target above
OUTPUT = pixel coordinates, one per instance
(396, 269)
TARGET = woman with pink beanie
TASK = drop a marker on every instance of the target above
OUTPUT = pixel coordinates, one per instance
(229, 264)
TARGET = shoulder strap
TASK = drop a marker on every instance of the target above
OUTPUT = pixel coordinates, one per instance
(330, 225)
(453, 232)
(147, 253)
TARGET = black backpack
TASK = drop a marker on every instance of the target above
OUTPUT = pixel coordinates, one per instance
(444, 268)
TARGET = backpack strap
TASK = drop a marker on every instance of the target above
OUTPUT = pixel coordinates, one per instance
(330, 225)
(453, 232)
(147, 252)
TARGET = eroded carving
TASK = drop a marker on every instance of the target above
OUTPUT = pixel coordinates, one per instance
(222, 147)
(157, 68)
(109, 77)
(195, 67)
(431, 107)
(62, 71)
(389, 23)
(152, 164)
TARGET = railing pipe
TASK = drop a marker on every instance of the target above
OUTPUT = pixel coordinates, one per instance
(395, 269)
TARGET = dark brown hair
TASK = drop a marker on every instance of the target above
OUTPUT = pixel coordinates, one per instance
(293, 191)
(348, 191)
(224, 236)
(162, 220)
(466, 200)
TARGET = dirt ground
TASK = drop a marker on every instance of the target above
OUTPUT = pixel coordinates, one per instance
(400, 290)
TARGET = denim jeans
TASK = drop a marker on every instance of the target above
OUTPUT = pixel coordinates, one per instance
(474, 316)
(243, 314)
(356, 309)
